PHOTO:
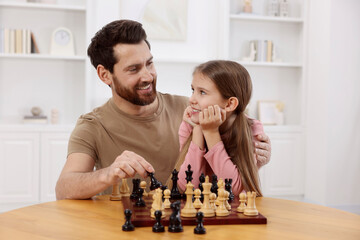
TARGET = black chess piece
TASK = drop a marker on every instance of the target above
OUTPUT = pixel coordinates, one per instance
(214, 186)
(199, 229)
(128, 226)
(158, 227)
(154, 182)
(228, 188)
(201, 181)
(175, 220)
(136, 186)
(189, 174)
(175, 193)
(140, 201)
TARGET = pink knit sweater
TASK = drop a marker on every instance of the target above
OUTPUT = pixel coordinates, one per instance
(215, 161)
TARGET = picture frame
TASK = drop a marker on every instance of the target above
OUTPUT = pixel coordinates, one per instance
(270, 112)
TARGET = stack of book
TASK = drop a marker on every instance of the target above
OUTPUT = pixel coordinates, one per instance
(19, 41)
(264, 50)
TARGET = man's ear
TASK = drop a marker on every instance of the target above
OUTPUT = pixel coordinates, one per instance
(231, 104)
(104, 74)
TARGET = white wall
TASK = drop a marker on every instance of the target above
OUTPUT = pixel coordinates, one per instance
(333, 103)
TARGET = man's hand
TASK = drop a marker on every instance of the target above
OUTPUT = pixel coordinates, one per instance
(126, 165)
(262, 149)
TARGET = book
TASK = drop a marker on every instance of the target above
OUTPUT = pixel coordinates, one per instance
(6, 40)
(12, 41)
(34, 46)
(18, 41)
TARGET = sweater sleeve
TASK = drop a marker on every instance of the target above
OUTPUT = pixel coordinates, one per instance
(185, 130)
(194, 157)
(222, 166)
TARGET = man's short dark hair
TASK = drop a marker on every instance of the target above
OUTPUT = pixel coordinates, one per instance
(101, 48)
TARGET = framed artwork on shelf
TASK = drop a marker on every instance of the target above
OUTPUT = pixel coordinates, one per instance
(270, 112)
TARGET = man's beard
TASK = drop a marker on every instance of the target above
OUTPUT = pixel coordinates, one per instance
(132, 95)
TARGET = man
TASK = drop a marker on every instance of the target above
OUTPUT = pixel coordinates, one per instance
(136, 131)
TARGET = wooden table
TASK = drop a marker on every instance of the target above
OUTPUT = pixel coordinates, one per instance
(100, 218)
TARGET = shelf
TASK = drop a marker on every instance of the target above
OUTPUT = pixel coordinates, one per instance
(270, 64)
(43, 6)
(43, 56)
(251, 17)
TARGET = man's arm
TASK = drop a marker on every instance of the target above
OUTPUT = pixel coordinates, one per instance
(78, 180)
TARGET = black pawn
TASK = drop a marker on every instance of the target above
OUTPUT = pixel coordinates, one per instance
(201, 181)
(189, 174)
(228, 188)
(140, 201)
(175, 220)
(158, 227)
(214, 186)
(200, 226)
(128, 226)
(175, 193)
(136, 186)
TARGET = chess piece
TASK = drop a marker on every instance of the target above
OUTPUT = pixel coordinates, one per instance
(189, 174)
(124, 189)
(242, 200)
(143, 186)
(128, 226)
(250, 209)
(158, 227)
(189, 209)
(199, 229)
(157, 203)
(221, 185)
(197, 202)
(136, 186)
(175, 193)
(227, 205)
(201, 181)
(140, 201)
(206, 206)
(167, 202)
(228, 188)
(115, 195)
(212, 199)
(214, 186)
(154, 182)
(221, 209)
(175, 220)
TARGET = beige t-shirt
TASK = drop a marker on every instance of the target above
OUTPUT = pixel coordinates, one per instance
(106, 132)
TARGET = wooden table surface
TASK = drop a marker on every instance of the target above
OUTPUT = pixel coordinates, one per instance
(100, 218)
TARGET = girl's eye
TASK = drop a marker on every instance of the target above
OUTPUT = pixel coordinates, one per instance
(202, 92)
(192, 90)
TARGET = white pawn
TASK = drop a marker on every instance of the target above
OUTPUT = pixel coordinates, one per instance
(212, 198)
(167, 202)
(242, 200)
(143, 186)
(227, 204)
(250, 209)
(197, 202)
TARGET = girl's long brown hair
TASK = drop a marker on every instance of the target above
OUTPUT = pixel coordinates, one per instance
(233, 80)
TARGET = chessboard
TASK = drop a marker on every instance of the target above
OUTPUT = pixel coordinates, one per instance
(141, 215)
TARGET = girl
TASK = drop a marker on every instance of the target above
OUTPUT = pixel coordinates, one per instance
(216, 137)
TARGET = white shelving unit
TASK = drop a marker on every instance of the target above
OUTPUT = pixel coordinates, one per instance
(283, 80)
(32, 155)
